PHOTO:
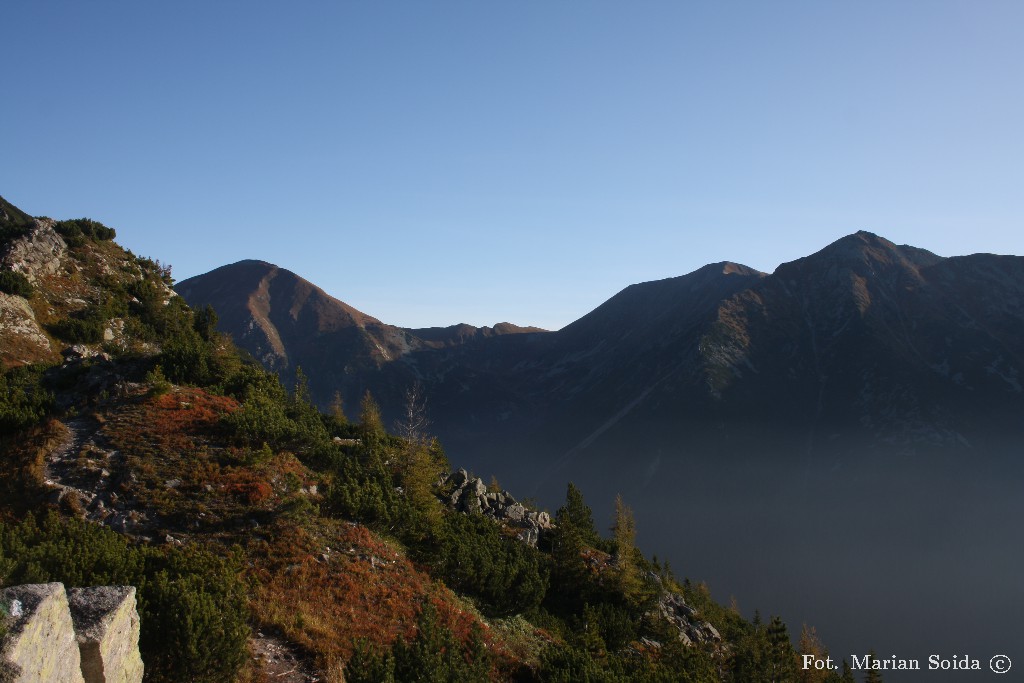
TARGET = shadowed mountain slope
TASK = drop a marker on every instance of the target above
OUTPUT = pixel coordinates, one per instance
(886, 343)
(288, 323)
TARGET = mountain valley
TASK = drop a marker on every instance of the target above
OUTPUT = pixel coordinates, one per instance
(775, 431)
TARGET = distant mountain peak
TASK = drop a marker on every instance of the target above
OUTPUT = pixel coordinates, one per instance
(864, 253)
(860, 244)
(732, 268)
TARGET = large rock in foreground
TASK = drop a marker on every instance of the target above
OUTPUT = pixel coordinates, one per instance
(107, 628)
(93, 638)
(40, 645)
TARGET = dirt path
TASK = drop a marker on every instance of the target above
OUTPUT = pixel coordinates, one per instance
(86, 473)
(281, 661)
(61, 462)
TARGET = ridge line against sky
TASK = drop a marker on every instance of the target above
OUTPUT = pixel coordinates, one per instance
(434, 163)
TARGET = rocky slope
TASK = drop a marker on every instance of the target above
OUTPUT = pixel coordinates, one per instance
(65, 291)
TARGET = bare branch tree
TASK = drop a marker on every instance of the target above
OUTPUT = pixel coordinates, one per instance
(414, 423)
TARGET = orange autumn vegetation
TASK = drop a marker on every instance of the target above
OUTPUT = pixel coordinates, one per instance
(185, 470)
(328, 587)
(324, 584)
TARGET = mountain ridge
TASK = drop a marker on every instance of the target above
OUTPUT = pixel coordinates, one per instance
(728, 334)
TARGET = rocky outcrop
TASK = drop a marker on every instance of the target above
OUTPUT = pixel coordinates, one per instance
(107, 629)
(93, 638)
(37, 254)
(471, 495)
(21, 338)
(692, 630)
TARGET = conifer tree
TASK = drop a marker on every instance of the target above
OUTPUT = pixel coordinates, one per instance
(419, 468)
(811, 645)
(750, 661)
(782, 659)
(574, 530)
(873, 674)
(370, 421)
(301, 397)
(628, 576)
(337, 411)
(205, 323)
(419, 474)
(577, 517)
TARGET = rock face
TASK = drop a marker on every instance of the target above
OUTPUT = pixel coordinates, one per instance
(471, 495)
(107, 629)
(19, 328)
(93, 638)
(673, 608)
(40, 646)
(37, 254)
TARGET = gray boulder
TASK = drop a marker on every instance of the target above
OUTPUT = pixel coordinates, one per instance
(107, 630)
(40, 645)
(38, 253)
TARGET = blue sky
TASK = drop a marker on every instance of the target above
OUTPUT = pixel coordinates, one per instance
(441, 162)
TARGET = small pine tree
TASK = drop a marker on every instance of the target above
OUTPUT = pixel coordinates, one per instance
(811, 645)
(782, 659)
(577, 516)
(873, 674)
(205, 323)
(370, 422)
(157, 381)
(420, 473)
(734, 605)
(13, 282)
(301, 395)
(337, 411)
(574, 530)
(624, 535)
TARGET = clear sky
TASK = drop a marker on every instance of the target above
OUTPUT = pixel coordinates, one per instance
(440, 162)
